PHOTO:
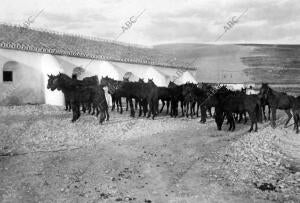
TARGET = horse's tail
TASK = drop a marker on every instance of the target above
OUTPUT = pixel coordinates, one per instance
(259, 112)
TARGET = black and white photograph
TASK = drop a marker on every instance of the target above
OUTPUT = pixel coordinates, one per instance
(149, 101)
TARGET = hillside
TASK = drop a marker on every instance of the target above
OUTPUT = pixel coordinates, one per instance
(239, 62)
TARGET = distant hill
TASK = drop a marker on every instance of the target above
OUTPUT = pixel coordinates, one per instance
(238, 63)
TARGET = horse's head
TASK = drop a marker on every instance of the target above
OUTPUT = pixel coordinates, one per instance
(141, 80)
(264, 90)
(53, 82)
(243, 90)
(150, 81)
(187, 90)
(50, 81)
(105, 81)
(172, 84)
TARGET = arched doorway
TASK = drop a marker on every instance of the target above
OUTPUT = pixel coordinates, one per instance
(21, 84)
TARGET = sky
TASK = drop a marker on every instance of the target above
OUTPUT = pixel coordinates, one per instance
(164, 21)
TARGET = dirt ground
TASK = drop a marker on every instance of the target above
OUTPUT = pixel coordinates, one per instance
(46, 158)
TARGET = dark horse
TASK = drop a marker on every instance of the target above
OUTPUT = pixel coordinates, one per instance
(116, 94)
(177, 96)
(228, 102)
(296, 113)
(165, 95)
(147, 93)
(195, 95)
(277, 100)
(80, 93)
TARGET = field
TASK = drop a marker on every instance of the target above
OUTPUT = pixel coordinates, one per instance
(46, 158)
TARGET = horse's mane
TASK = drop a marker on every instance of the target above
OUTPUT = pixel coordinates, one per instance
(65, 76)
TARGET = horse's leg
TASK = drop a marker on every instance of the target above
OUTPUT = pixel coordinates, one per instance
(240, 117)
(168, 105)
(97, 111)
(66, 104)
(182, 108)
(187, 109)
(229, 121)
(141, 109)
(192, 109)
(297, 119)
(252, 121)
(150, 107)
(113, 106)
(203, 113)
(83, 107)
(288, 112)
(163, 105)
(154, 108)
(172, 108)
(233, 124)
(245, 118)
(176, 109)
(78, 112)
(255, 126)
(269, 112)
(273, 122)
(145, 107)
(119, 101)
(131, 107)
(136, 104)
(107, 114)
(197, 112)
(102, 113)
(209, 112)
(264, 112)
(127, 104)
(74, 111)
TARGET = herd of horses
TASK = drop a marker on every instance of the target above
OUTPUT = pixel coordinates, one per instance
(88, 95)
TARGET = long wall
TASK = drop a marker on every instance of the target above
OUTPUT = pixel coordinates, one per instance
(30, 71)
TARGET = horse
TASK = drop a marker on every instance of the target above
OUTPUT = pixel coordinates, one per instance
(195, 95)
(80, 93)
(228, 102)
(145, 92)
(116, 94)
(210, 90)
(277, 100)
(66, 94)
(296, 113)
(177, 96)
(265, 103)
(112, 86)
(165, 95)
(189, 98)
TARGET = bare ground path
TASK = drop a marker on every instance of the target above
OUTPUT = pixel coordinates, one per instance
(175, 163)
(169, 167)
